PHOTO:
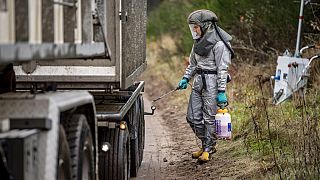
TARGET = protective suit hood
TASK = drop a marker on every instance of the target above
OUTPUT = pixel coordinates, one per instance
(206, 19)
(201, 16)
(205, 44)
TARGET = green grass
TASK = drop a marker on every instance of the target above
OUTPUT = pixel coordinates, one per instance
(291, 140)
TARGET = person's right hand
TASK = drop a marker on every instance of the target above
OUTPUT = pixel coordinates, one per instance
(183, 84)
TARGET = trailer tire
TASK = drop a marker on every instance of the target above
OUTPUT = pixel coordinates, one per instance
(114, 164)
(134, 119)
(64, 161)
(81, 147)
(141, 129)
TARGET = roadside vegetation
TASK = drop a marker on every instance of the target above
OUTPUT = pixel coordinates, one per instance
(284, 139)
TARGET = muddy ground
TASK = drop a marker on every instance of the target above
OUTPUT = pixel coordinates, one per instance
(170, 142)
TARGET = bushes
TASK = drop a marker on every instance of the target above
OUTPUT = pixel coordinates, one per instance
(263, 25)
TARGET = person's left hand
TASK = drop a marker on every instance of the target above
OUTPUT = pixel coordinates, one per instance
(222, 98)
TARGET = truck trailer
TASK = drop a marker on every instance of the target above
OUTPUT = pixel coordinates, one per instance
(71, 105)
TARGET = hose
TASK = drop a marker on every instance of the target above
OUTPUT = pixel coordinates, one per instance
(223, 40)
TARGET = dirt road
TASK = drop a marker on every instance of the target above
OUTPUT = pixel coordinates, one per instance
(169, 143)
(156, 149)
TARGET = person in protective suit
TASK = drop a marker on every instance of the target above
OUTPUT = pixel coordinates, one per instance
(208, 65)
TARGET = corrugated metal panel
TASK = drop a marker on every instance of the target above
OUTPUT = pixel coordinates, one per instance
(21, 21)
(47, 21)
(69, 21)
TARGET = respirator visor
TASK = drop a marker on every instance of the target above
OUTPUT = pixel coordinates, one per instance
(193, 33)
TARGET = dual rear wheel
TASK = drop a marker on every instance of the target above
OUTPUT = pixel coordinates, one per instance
(125, 156)
(114, 164)
(75, 150)
(76, 156)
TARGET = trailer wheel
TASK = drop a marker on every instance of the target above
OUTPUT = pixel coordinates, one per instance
(134, 140)
(81, 147)
(141, 129)
(114, 164)
(64, 161)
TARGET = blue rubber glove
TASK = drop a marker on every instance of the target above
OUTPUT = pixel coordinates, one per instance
(183, 84)
(222, 98)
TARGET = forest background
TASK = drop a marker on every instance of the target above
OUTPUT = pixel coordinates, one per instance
(285, 137)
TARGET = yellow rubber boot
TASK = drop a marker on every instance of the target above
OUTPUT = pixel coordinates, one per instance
(204, 157)
(197, 154)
